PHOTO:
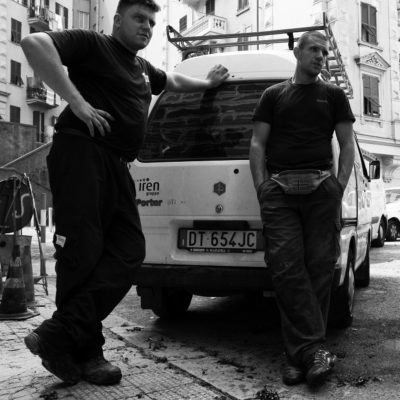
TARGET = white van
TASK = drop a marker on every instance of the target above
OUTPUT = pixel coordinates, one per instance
(198, 206)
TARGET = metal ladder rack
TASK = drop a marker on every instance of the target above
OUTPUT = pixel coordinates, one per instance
(334, 71)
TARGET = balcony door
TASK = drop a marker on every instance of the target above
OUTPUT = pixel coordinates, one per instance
(210, 7)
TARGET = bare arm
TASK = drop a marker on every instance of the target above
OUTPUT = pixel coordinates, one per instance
(43, 57)
(261, 132)
(345, 137)
(177, 82)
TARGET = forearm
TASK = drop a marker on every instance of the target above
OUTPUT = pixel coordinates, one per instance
(182, 83)
(346, 162)
(257, 164)
(45, 61)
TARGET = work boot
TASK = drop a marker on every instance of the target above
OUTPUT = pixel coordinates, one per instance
(58, 363)
(318, 366)
(292, 374)
(99, 371)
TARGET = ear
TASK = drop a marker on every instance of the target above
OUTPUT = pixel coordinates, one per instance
(296, 52)
(117, 20)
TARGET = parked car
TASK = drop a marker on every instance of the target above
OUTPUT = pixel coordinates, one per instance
(393, 210)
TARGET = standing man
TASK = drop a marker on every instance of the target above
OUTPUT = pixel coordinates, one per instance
(300, 201)
(98, 239)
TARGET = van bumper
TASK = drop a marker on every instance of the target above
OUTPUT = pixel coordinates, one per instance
(197, 279)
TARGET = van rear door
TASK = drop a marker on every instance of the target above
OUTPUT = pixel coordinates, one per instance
(190, 172)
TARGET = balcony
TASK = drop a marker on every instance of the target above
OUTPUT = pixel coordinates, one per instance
(37, 94)
(207, 25)
(40, 18)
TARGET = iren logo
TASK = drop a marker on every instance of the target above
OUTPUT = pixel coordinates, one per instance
(149, 187)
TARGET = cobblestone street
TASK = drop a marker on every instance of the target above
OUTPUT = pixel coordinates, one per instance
(22, 377)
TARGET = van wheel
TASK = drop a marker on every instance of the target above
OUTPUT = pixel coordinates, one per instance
(342, 299)
(362, 274)
(393, 231)
(380, 240)
(173, 303)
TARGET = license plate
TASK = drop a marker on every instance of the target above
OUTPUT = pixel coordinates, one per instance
(216, 241)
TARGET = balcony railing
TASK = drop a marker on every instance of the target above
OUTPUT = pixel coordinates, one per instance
(37, 94)
(41, 18)
(207, 25)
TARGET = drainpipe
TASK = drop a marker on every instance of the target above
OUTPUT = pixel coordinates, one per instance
(258, 23)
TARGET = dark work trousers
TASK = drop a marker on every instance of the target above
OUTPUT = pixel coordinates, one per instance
(302, 246)
(98, 240)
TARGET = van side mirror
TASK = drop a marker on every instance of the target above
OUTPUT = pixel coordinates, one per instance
(374, 169)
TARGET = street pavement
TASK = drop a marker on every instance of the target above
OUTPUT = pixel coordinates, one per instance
(145, 376)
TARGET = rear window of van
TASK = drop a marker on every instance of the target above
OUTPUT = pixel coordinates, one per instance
(212, 124)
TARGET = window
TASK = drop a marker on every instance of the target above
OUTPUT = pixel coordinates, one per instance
(83, 20)
(183, 24)
(244, 40)
(15, 77)
(47, 3)
(15, 114)
(368, 23)
(371, 95)
(66, 17)
(211, 124)
(63, 12)
(242, 4)
(15, 31)
(243, 47)
(210, 7)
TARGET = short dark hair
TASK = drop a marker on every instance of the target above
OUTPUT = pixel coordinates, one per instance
(304, 38)
(124, 4)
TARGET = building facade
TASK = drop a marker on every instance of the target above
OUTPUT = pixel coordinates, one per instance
(24, 97)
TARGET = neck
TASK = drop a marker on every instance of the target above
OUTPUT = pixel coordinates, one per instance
(303, 79)
(123, 44)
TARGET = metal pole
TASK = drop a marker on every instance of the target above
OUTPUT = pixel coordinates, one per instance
(43, 217)
(258, 24)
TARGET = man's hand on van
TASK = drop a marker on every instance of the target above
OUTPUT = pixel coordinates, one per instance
(177, 82)
(217, 75)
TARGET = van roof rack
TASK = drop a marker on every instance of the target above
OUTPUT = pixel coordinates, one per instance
(334, 70)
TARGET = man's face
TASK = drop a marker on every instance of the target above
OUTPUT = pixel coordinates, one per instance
(134, 27)
(311, 58)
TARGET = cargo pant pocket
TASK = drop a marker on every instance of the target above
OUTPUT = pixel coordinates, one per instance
(66, 241)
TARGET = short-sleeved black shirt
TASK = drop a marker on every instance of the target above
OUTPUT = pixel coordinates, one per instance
(110, 78)
(302, 119)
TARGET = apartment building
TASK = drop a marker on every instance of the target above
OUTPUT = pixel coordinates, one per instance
(368, 35)
(24, 97)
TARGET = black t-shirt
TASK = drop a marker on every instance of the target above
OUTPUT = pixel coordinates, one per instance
(302, 119)
(110, 78)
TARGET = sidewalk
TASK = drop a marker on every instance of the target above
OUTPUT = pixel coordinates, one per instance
(148, 378)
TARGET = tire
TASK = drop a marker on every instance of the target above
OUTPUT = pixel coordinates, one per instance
(362, 275)
(392, 231)
(380, 240)
(173, 303)
(342, 299)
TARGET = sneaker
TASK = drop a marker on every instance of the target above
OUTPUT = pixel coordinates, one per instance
(99, 371)
(292, 375)
(58, 363)
(318, 366)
